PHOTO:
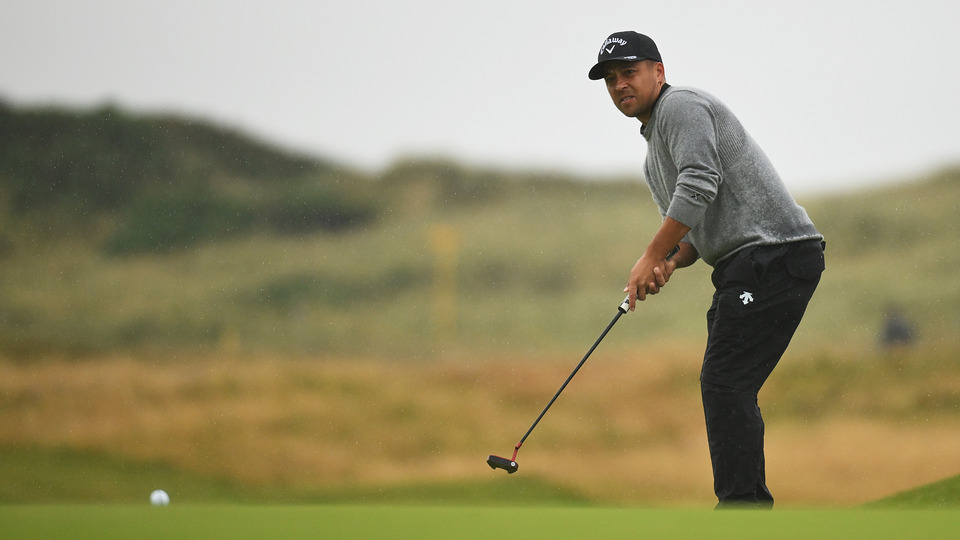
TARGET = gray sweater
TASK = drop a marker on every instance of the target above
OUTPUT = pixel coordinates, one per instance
(706, 172)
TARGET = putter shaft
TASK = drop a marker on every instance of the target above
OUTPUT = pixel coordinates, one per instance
(511, 466)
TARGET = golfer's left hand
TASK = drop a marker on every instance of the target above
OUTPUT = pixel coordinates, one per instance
(647, 277)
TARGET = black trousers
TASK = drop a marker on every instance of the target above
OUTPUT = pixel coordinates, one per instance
(761, 295)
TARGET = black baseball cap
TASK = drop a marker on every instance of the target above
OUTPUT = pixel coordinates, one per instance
(625, 46)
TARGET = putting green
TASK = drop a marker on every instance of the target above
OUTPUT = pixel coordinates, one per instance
(419, 522)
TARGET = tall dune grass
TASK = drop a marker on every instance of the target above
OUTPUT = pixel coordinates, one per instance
(629, 429)
(539, 271)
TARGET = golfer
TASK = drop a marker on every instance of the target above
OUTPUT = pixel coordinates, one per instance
(721, 201)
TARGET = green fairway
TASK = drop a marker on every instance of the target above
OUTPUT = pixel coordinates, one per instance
(399, 522)
(943, 494)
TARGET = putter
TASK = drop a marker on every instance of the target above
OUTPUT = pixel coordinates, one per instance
(510, 465)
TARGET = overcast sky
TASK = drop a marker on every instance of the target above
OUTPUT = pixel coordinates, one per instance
(839, 93)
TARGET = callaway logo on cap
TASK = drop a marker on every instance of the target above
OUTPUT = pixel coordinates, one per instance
(627, 47)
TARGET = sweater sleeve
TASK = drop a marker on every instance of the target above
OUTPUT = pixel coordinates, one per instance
(690, 129)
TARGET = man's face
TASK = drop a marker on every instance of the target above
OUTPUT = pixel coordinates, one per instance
(634, 86)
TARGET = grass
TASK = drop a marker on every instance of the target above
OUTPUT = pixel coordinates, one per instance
(268, 381)
(944, 494)
(39, 476)
(314, 369)
(375, 292)
(360, 522)
(628, 431)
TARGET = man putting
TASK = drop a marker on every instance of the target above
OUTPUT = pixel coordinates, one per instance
(721, 201)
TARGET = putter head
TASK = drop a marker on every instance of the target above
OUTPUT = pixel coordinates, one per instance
(497, 462)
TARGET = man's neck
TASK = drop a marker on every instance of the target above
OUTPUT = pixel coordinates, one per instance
(654, 107)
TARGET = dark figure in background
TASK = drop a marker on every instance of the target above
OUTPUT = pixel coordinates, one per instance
(897, 332)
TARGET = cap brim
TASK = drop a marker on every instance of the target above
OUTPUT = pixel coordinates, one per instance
(598, 71)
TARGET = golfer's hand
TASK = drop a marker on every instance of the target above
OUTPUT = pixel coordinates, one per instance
(647, 277)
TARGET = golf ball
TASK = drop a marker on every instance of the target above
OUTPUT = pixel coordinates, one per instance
(159, 497)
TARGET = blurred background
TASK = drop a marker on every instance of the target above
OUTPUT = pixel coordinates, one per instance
(299, 252)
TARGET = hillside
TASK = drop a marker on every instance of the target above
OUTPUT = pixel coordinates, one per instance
(102, 158)
(156, 232)
(164, 182)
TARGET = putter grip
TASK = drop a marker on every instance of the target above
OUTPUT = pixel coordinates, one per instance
(625, 305)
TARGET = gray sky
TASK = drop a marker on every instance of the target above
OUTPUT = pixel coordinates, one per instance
(839, 93)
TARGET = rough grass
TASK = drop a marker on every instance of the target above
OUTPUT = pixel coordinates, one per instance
(40, 476)
(627, 431)
(536, 272)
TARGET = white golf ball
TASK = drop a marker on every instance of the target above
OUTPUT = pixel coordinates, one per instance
(159, 497)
